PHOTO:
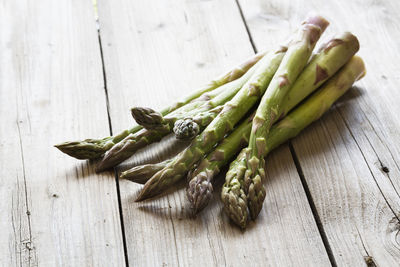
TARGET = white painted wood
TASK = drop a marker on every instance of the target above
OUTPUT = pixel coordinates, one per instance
(54, 210)
(155, 51)
(343, 155)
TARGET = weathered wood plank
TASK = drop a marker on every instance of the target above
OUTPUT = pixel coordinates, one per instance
(343, 157)
(154, 59)
(54, 210)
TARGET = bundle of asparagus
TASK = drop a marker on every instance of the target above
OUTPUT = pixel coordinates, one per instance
(251, 109)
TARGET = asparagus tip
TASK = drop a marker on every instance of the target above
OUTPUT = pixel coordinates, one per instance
(199, 191)
(147, 117)
(86, 149)
(186, 129)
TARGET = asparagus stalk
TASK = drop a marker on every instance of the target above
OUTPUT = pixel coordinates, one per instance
(141, 174)
(313, 108)
(95, 148)
(330, 58)
(269, 109)
(232, 112)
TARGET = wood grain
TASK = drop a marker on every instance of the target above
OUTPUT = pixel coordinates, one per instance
(151, 61)
(54, 210)
(350, 159)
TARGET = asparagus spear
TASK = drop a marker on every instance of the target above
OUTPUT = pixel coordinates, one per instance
(208, 110)
(141, 174)
(330, 58)
(312, 109)
(269, 109)
(95, 148)
(215, 131)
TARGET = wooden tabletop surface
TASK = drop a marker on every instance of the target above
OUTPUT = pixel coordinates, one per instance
(332, 192)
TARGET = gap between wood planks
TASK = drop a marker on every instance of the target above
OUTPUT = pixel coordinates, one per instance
(121, 216)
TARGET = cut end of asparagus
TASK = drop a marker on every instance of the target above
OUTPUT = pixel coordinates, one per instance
(199, 190)
(359, 66)
(318, 21)
(147, 117)
(255, 203)
(186, 129)
(314, 26)
(86, 149)
(344, 38)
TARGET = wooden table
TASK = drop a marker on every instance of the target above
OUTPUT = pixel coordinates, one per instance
(332, 192)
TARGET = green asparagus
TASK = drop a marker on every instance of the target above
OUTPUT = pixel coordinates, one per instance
(232, 194)
(268, 111)
(329, 59)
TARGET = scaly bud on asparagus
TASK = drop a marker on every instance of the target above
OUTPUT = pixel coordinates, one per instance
(233, 195)
(186, 129)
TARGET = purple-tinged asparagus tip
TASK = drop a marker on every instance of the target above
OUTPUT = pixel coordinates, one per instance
(199, 190)
(318, 21)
